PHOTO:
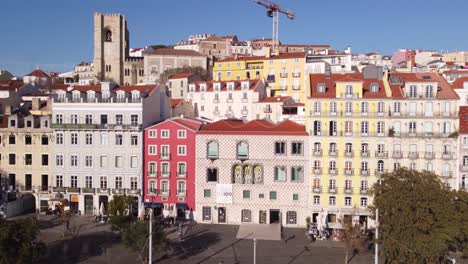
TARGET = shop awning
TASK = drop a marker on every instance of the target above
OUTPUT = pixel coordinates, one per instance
(182, 206)
(153, 205)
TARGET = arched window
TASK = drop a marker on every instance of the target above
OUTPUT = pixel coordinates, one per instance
(242, 150)
(213, 150)
(380, 166)
(237, 174)
(248, 179)
(258, 174)
(291, 217)
(108, 35)
(246, 216)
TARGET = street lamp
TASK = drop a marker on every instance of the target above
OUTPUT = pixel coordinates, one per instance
(150, 241)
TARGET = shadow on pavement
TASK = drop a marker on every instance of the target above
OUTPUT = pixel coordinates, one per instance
(194, 244)
(81, 248)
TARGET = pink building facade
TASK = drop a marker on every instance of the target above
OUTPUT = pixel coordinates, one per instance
(169, 166)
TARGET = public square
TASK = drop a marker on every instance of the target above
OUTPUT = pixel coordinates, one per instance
(95, 243)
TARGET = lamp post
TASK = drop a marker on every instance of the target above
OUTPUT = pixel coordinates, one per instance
(255, 251)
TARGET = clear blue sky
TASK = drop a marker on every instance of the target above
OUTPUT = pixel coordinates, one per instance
(57, 34)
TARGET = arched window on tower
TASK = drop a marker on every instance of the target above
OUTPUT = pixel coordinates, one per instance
(108, 33)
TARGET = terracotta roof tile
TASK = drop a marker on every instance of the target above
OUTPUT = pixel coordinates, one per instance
(254, 127)
(175, 102)
(275, 99)
(458, 83)
(181, 75)
(463, 115)
(445, 92)
(38, 73)
(175, 52)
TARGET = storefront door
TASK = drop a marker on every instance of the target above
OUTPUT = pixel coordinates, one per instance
(221, 215)
(89, 205)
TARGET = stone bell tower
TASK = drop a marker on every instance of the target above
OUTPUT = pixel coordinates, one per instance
(111, 42)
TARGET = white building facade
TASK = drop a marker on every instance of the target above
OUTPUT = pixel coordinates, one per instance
(98, 142)
(252, 172)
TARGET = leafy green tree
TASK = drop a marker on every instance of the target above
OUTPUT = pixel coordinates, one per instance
(135, 237)
(204, 74)
(119, 212)
(18, 242)
(353, 238)
(416, 215)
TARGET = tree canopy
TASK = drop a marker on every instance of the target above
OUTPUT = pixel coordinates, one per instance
(204, 74)
(135, 237)
(120, 217)
(421, 220)
(18, 243)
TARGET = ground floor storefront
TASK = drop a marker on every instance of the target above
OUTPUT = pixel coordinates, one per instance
(291, 216)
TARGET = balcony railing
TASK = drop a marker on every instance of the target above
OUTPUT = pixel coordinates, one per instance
(98, 126)
(429, 155)
(364, 172)
(283, 75)
(296, 74)
(181, 174)
(318, 171)
(397, 154)
(73, 189)
(318, 152)
(181, 192)
(413, 155)
(332, 190)
(448, 155)
(165, 156)
(267, 109)
(332, 171)
(118, 191)
(349, 154)
(463, 168)
(164, 192)
(364, 154)
(87, 190)
(381, 154)
(349, 172)
(134, 191)
(165, 174)
(103, 190)
(348, 190)
(244, 112)
(317, 189)
(363, 191)
(380, 172)
(332, 153)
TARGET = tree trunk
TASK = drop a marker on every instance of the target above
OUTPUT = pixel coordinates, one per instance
(346, 257)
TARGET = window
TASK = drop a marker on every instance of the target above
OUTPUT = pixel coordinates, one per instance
(380, 127)
(181, 190)
(44, 140)
(412, 127)
(213, 149)
(103, 161)
(206, 211)
(118, 119)
(88, 139)
(297, 174)
(164, 133)
(88, 119)
(59, 119)
(212, 175)
(364, 127)
(165, 151)
(164, 169)
(119, 139)
(347, 201)
(74, 181)
(73, 160)
(152, 169)
(207, 193)
(118, 182)
(134, 140)
(118, 162)
(280, 148)
(152, 187)
(152, 134)
(74, 138)
(333, 107)
(297, 148)
(12, 140)
(243, 150)
(349, 90)
(349, 107)
(280, 174)
(182, 150)
(88, 161)
(181, 169)
(58, 139)
(74, 119)
(316, 200)
(103, 119)
(104, 139)
(332, 200)
(59, 181)
(134, 162)
(246, 216)
(28, 159)
(89, 182)
(152, 150)
(103, 182)
(295, 197)
(363, 202)
(291, 217)
(45, 160)
(246, 194)
(28, 140)
(133, 183)
(134, 120)
(273, 195)
(181, 134)
(59, 160)
(108, 68)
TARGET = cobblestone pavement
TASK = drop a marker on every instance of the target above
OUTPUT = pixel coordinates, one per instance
(207, 244)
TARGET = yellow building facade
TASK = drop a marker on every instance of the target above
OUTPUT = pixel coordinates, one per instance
(284, 73)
